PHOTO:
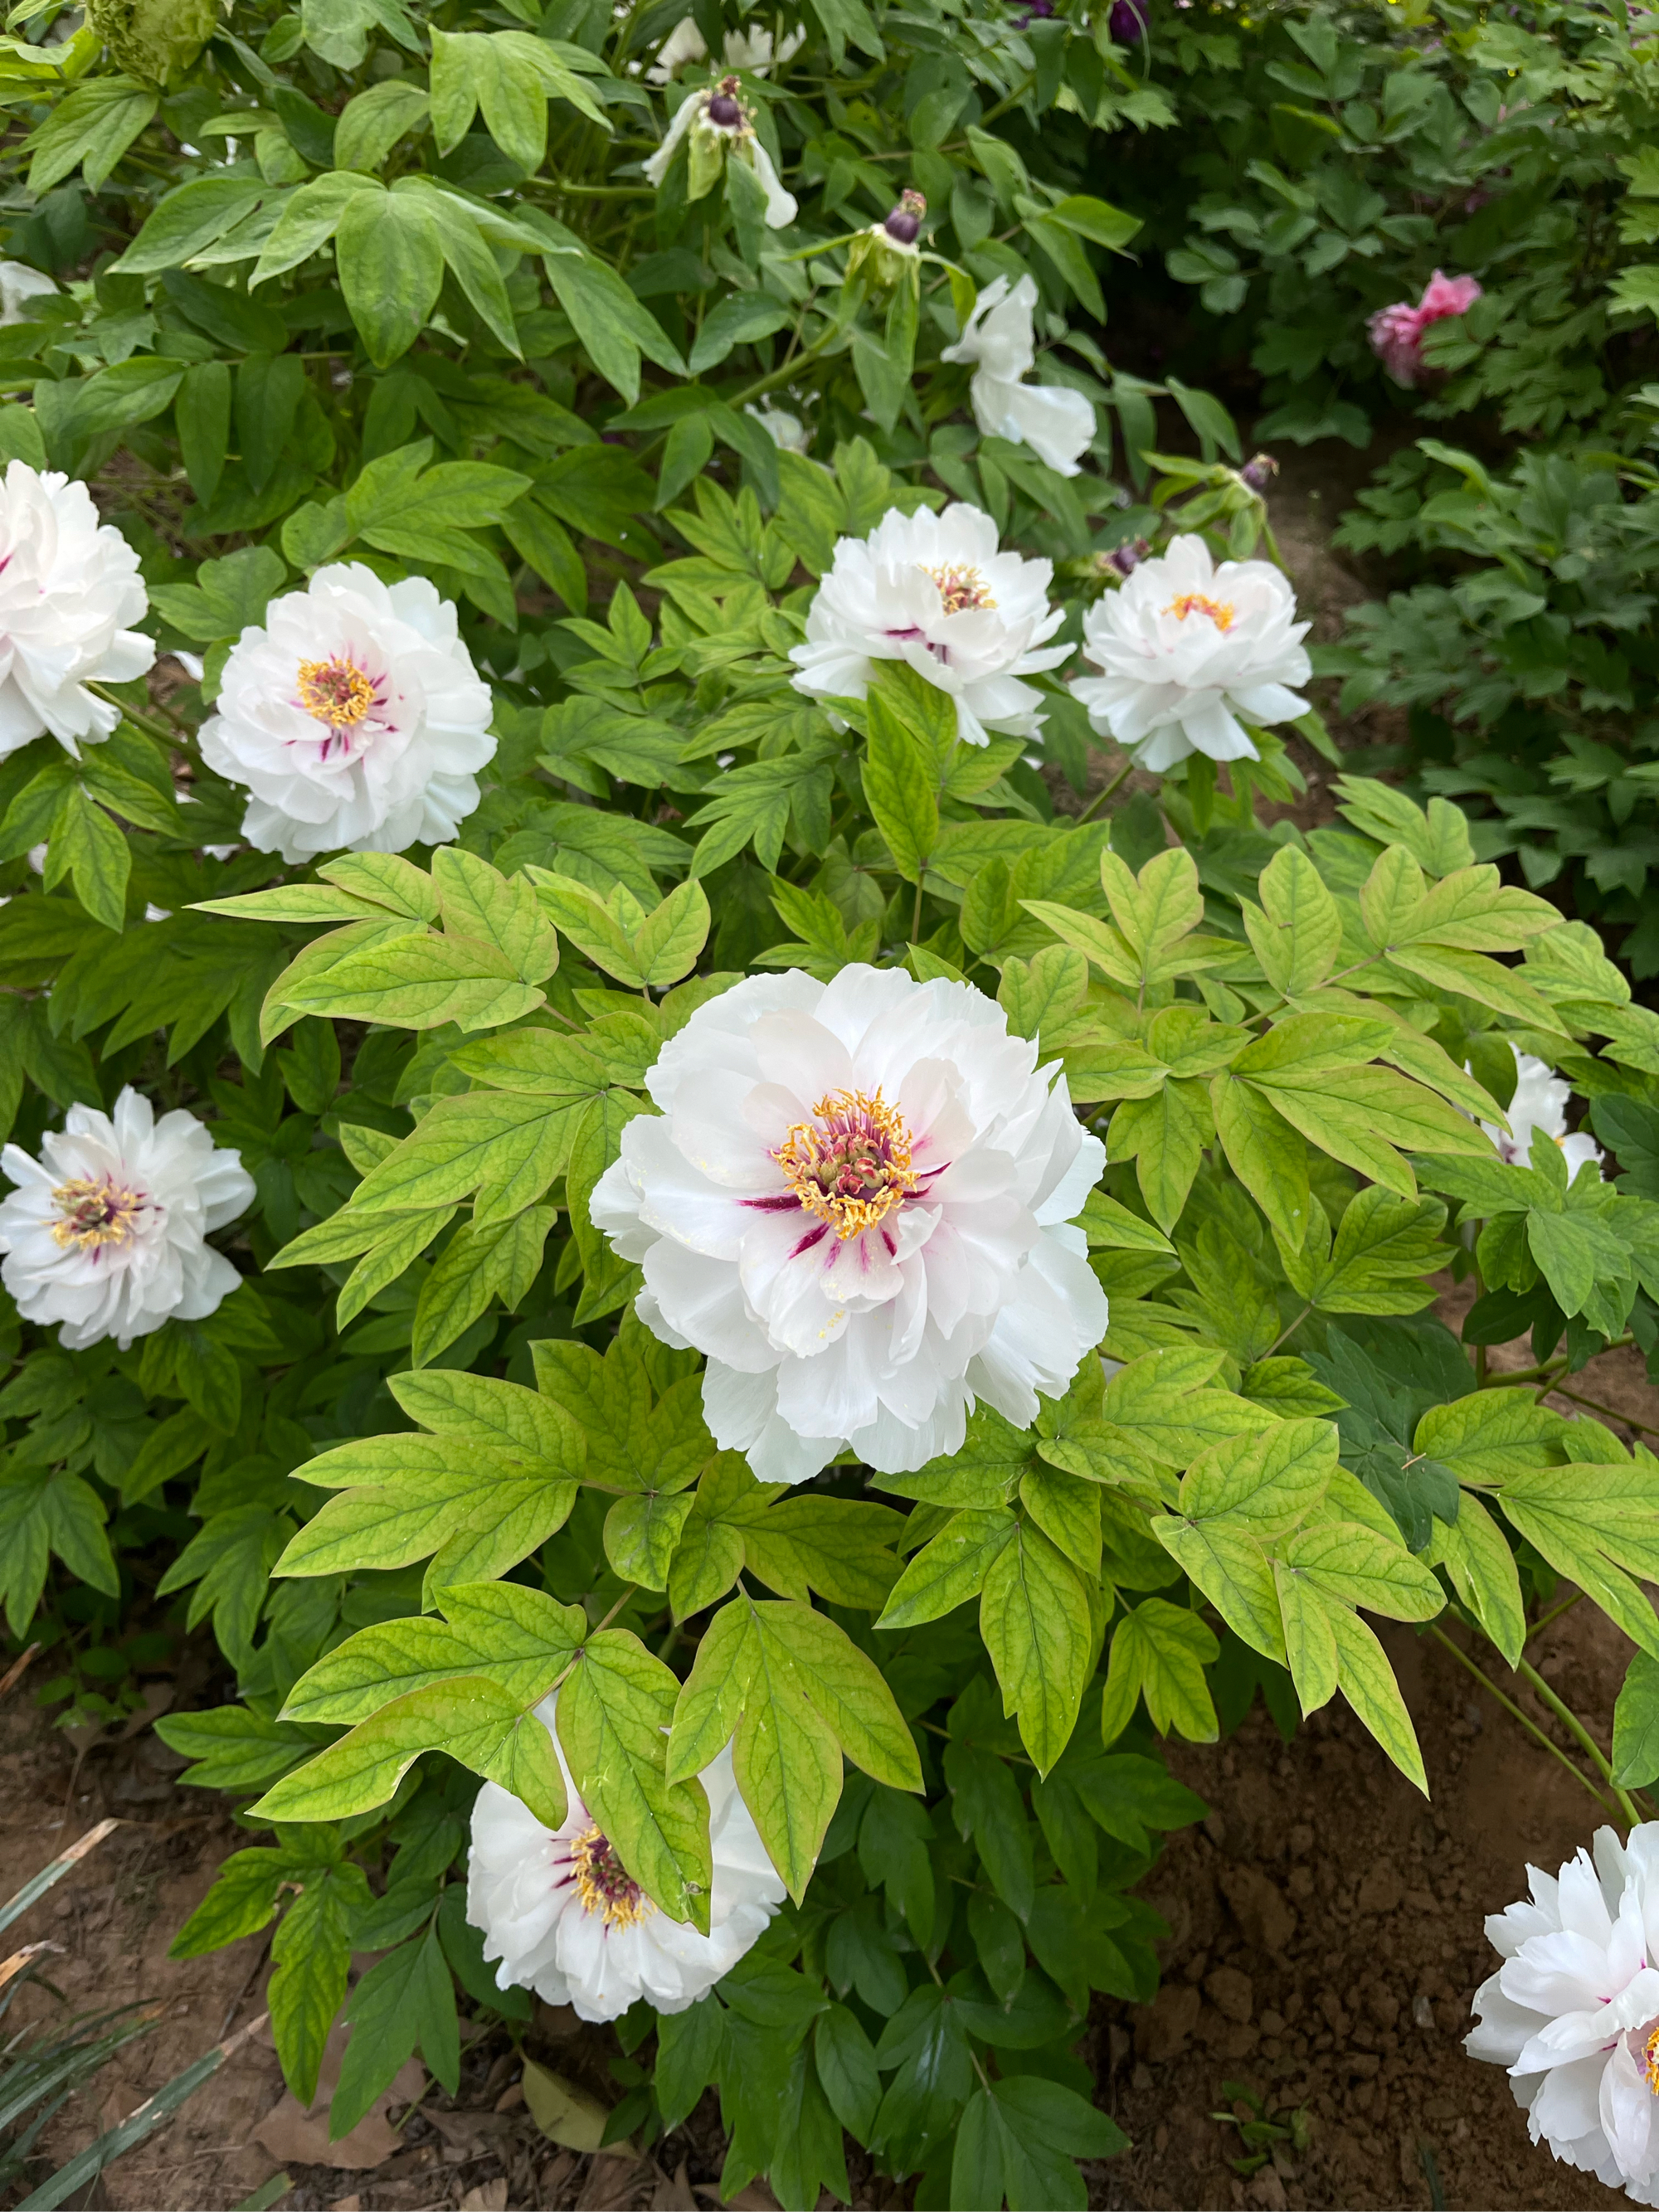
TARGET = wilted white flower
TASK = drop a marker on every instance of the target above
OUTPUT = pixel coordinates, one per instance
(935, 591)
(105, 1231)
(999, 340)
(719, 124)
(565, 1918)
(1187, 648)
(787, 432)
(1573, 2011)
(19, 285)
(856, 1202)
(1540, 1103)
(355, 718)
(749, 49)
(70, 587)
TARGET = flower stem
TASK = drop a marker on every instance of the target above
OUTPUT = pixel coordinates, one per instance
(1515, 1711)
(145, 722)
(1104, 793)
(1291, 1331)
(1569, 1719)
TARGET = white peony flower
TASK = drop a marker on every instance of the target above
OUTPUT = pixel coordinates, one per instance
(1540, 1103)
(1187, 648)
(787, 432)
(19, 285)
(565, 1918)
(749, 49)
(1056, 423)
(1573, 2011)
(70, 587)
(856, 1202)
(105, 1231)
(355, 718)
(934, 591)
(720, 126)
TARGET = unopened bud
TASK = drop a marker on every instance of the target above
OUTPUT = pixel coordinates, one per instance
(1259, 471)
(1123, 560)
(1127, 21)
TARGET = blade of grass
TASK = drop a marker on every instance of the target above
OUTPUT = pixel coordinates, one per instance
(53, 1872)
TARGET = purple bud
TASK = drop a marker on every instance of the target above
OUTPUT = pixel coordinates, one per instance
(1127, 21)
(725, 111)
(1126, 558)
(903, 225)
(1259, 471)
(1040, 11)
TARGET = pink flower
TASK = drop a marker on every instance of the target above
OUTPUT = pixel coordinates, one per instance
(1396, 333)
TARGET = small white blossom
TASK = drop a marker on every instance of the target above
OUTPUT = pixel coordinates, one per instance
(719, 126)
(19, 285)
(354, 717)
(1573, 2011)
(856, 1202)
(565, 1918)
(749, 49)
(935, 591)
(1540, 1103)
(106, 1231)
(787, 432)
(999, 340)
(69, 589)
(1186, 648)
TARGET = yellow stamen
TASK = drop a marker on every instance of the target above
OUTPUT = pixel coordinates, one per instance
(96, 1210)
(851, 1166)
(961, 586)
(1651, 2061)
(1221, 612)
(604, 1885)
(336, 692)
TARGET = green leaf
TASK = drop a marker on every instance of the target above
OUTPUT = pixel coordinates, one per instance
(1265, 1483)
(1367, 1681)
(1384, 1249)
(475, 1721)
(1636, 1725)
(1483, 1572)
(390, 254)
(950, 1569)
(900, 785)
(312, 1957)
(613, 1712)
(1035, 1617)
(1159, 1651)
(405, 2001)
(516, 1637)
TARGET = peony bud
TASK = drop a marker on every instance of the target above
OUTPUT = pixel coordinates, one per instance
(1127, 21)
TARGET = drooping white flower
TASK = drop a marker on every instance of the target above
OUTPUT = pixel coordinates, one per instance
(935, 591)
(19, 285)
(1186, 648)
(106, 1231)
(565, 1918)
(999, 340)
(720, 126)
(354, 717)
(1540, 1103)
(1573, 2011)
(856, 1202)
(69, 589)
(787, 432)
(749, 49)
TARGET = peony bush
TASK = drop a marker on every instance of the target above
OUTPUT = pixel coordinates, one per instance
(733, 1276)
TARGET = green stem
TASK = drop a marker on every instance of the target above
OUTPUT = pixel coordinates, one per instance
(1105, 791)
(916, 919)
(1515, 1711)
(1569, 1719)
(1291, 1331)
(1554, 1613)
(148, 723)
(1647, 1428)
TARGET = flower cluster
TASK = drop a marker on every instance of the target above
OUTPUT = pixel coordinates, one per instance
(354, 717)
(563, 1915)
(1396, 333)
(69, 590)
(936, 592)
(998, 340)
(1573, 2011)
(1186, 649)
(106, 1231)
(1540, 1103)
(855, 1199)
(716, 125)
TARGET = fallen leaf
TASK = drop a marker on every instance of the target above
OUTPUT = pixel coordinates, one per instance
(617, 2182)
(296, 2136)
(564, 2113)
(488, 2197)
(675, 2196)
